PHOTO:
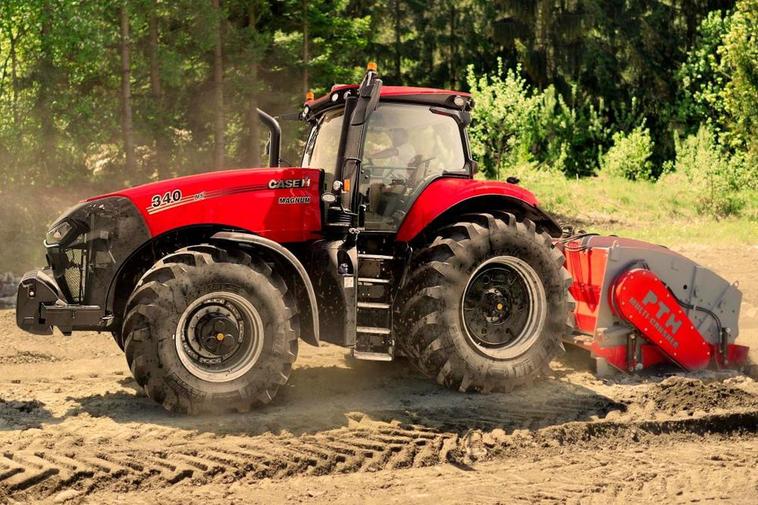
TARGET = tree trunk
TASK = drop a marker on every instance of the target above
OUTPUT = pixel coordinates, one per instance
(45, 77)
(159, 128)
(306, 55)
(155, 75)
(126, 95)
(14, 79)
(397, 39)
(252, 158)
(544, 11)
(218, 91)
(452, 63)
(431, 48)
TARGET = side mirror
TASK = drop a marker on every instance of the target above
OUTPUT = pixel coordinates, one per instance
(474, 167)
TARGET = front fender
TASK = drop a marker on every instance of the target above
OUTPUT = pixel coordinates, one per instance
(308, 303)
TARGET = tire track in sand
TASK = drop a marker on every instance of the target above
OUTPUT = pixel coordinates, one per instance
(54, 460)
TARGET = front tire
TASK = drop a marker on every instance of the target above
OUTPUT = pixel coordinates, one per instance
(486, 304)
(209, 329)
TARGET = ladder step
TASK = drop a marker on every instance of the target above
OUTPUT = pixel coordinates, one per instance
(373, 280)
(375, 256)
(374, 330)
(373, 305)
(372, 356)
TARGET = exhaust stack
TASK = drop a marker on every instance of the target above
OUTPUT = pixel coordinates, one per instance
(275, 140)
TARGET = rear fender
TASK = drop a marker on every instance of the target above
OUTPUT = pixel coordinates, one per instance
(446, 199)
(304, 292)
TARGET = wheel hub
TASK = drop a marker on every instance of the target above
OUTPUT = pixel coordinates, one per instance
(219, 336)
(495, 306)
(503, 306)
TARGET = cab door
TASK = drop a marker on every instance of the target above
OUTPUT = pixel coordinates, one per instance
(406, 147)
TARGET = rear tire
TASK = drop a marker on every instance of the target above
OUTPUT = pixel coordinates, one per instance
(486, 304)
(209, 329)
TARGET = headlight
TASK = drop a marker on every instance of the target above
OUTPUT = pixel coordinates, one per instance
(58, 233)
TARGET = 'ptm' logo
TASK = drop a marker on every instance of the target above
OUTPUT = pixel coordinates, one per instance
(663, 309)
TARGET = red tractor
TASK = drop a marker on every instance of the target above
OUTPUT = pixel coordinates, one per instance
(383, 242)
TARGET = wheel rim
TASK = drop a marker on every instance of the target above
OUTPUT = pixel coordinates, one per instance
(219, 337)
(503, 307)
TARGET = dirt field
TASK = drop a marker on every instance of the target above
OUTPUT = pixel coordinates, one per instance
(74, 429)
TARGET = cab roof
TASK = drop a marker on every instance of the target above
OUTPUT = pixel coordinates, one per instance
(430, 96)
(399, 91)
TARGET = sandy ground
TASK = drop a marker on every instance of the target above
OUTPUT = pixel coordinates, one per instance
(75, 429)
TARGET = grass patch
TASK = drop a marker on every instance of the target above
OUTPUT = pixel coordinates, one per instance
(662, 212)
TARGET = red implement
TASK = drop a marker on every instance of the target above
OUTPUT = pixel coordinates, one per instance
(639, 305)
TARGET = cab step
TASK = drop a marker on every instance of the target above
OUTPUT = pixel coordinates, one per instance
(372, 280)
(382, 257)
(373, 330)
(374, 305)
(372, 356)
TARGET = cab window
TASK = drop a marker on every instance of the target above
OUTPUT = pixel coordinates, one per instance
(406, 147)
(323, 145)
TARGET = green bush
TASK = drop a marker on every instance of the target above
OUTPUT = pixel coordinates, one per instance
(629, 156)
(567, 139)
(719, 180)
(517, 124)
(505, 105)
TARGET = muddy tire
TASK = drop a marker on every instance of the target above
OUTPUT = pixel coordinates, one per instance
(486, 304)
(209, 329)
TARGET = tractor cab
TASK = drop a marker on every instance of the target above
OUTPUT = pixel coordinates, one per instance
(394, 143)
(380, 147)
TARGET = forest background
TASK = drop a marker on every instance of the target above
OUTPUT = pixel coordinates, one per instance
(632, 116)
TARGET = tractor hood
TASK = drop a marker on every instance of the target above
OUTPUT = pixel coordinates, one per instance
(278, 203)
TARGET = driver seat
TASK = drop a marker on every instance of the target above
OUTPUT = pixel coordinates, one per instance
(384, 200)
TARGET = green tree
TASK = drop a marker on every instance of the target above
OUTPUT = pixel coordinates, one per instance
(590, 68)
(740, 62)
(505, 104)
(700, 79)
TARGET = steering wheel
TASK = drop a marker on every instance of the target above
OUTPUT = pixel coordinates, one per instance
(389, 173)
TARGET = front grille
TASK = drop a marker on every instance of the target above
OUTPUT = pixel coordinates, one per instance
(74, 273)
